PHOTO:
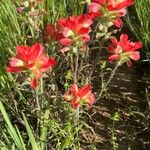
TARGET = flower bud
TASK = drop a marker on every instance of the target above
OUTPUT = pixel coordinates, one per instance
(26, 4)
(20, 9)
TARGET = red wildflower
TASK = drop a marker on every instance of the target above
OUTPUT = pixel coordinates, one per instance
(124, 50)
(75, 29)
(79, 96)
(31, 59)
(52, 33)
(111, 9)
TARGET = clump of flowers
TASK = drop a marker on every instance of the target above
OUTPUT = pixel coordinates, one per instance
(31, 59)
(124, 50)
(73, 30)
(109, 10)
(79, 96)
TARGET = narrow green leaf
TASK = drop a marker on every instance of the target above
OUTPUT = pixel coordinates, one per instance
(34, 144)
(10, 128)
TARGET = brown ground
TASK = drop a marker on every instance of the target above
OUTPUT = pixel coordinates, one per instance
(125, 96)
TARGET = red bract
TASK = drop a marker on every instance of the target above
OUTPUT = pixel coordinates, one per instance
(52, 33)
(80, 96)
(111, 9)
(75, 29)
(32, 59)
(124, 50)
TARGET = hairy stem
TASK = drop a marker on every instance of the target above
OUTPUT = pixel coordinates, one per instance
(109, 80)
(71, 63)
(77, 116)
(37, 99)
(44, 130)
(113, 136)
(94, 32)
(41, 92)
(76, 68)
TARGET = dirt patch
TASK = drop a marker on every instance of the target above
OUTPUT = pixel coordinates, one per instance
(125, 96)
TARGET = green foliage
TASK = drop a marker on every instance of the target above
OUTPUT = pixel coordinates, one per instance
(54, 124)
(62, 8)
(16, 29)
(10, 29)
(115, 118)
(139, 22)
(14, 133)
(11, 34)
(30, 134)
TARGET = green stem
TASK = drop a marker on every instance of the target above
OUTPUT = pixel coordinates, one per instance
(76, 68)
(77, 116)
(38, 108)
(74, 63)
(39, 95)
(94, 32)
(109, 80)
(113, 136)
(37, 98)
(41, 92)
(71, 63)
(44, 130)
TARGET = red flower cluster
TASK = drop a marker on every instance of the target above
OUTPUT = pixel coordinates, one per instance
(124, 50)
(72, 30)
(80, 96)
(110, 9)
(32, 59)
(52, 33)
(75, 29)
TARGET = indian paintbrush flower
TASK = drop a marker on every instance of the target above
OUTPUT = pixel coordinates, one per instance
(124, 50)
(31, 59)
(75, 29)
(111, 10)
(79, 96)
(72, 30)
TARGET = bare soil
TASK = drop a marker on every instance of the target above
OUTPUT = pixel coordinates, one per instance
(125, 96)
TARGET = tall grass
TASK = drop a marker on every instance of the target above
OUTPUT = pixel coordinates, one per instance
(17, 97)
(62, 8)
(10, 28)
(138, 20)
(11, 34)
